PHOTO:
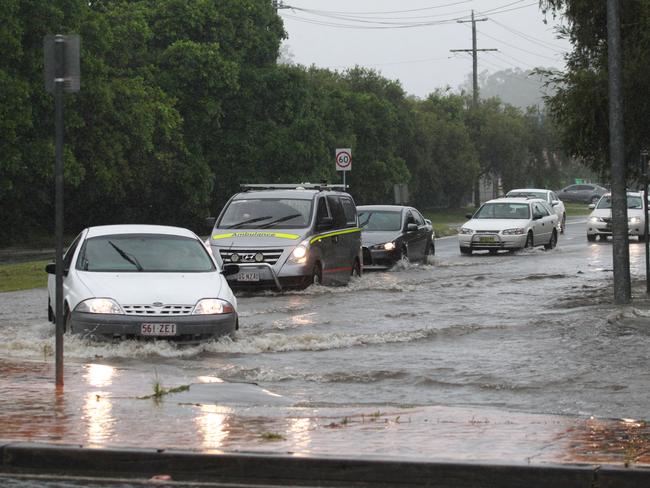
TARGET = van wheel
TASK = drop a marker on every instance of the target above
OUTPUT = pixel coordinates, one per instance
(67, 315)
(356, 269)
(317, 274)
(50, 312)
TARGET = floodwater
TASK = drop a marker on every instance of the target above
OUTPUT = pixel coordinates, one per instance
(519, 357)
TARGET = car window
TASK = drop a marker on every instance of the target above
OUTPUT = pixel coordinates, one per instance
(541, 209)
(409, 218)
(67, 257)
(350, 211)
(323, 210)
(144, 253)
(526, 194)
(554, 197)
(337, 211)
(571, 188)
(503, 210)
(418, 217)
(633, 201)
(266, 213)
(380, 220)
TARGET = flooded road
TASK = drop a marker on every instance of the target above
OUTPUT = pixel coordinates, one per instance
(479, 341)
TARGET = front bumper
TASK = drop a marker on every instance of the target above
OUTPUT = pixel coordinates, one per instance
(189, 328)
(379, 258)
(290, 276)
(486, 241)
(605, 229)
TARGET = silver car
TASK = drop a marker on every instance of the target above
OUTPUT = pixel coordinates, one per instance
(289, 236)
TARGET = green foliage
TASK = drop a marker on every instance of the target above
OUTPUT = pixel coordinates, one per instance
(581, 102)
(181, 101)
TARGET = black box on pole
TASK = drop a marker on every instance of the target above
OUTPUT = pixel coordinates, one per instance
(71, 66)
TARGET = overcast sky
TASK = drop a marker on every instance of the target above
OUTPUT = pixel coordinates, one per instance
(409, 40)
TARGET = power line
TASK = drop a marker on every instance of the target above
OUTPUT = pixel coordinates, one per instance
(530, 38)
(518, 48)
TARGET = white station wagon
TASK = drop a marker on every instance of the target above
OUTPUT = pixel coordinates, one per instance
(510, 224)
(143, 281)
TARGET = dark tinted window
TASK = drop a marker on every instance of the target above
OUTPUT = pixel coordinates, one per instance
(418, 218)
(337, 211)
(350, 211)
(67, 257)
(323, 211)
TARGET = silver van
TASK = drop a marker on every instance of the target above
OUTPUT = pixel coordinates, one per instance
(289, 236)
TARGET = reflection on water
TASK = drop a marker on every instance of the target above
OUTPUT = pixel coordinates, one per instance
(98, 418)
(99, 375)
(212, 422)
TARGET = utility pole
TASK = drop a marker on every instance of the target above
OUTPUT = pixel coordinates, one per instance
(474, 51)
(621, 251)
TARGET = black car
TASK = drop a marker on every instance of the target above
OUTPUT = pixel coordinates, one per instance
(582, 193)
(392, 232)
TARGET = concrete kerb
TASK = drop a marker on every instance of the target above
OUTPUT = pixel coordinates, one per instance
(301, 470)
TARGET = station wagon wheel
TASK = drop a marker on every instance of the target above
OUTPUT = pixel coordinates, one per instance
(563, 224)
(430, 250)
(552, 242)
(67, 315)
(529, 241)
(591, 237)
(404, 254)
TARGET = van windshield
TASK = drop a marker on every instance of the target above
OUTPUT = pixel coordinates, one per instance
(267, 213)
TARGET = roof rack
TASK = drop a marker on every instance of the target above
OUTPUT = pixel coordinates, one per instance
(292, 186)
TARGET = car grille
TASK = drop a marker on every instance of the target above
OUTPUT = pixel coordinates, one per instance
(161, 310)
(271, 256)
(486, 232)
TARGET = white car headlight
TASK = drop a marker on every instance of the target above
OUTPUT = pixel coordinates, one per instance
(212, 306)
(389, 246)
(634, 220)
(595, 219)
(465, 230)
(517, 231)
(99, 305)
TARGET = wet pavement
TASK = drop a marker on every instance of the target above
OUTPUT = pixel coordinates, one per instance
(512, 357)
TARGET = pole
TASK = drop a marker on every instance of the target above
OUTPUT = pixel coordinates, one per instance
(474, 51)
(474, 64)
(58, 188)
(344, 187)
(621, 251)
(644, 193)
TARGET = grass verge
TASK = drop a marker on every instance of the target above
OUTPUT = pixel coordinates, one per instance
(576, 209)
(23, 276)
(446, 221)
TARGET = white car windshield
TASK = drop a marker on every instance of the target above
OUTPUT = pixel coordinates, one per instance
(267, 213)
(144, 253)
(632, 202)
(503, 210)
(375, 220)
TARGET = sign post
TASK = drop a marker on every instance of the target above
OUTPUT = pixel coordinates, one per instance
(344, 161)
(61, 70)
(644, 193)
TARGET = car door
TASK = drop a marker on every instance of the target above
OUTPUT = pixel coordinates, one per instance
(351, 239)
(570, 193)
(542, 224)
(414, 239)
(324, 247)
(422, 233)
(340, 267)
(67, 262)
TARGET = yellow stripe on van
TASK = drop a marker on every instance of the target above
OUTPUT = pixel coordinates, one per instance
(279, 235)
(332, 234)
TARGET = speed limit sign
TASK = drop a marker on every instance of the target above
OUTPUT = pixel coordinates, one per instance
(344, 159)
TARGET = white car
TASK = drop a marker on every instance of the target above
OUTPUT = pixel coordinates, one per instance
(143, 281)
(510, 224)
(549, 197)
(599, 222)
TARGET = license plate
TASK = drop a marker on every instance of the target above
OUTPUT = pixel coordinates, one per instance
(154, 329)
(486, 239)
(248, 276)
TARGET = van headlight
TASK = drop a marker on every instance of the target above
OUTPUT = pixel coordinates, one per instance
(99, 305)
(634, 220)
(466, 230)
(212, 306)
(300, 252)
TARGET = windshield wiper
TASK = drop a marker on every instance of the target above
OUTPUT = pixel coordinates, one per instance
(249, 221)
(281, 219)
(129, 257)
